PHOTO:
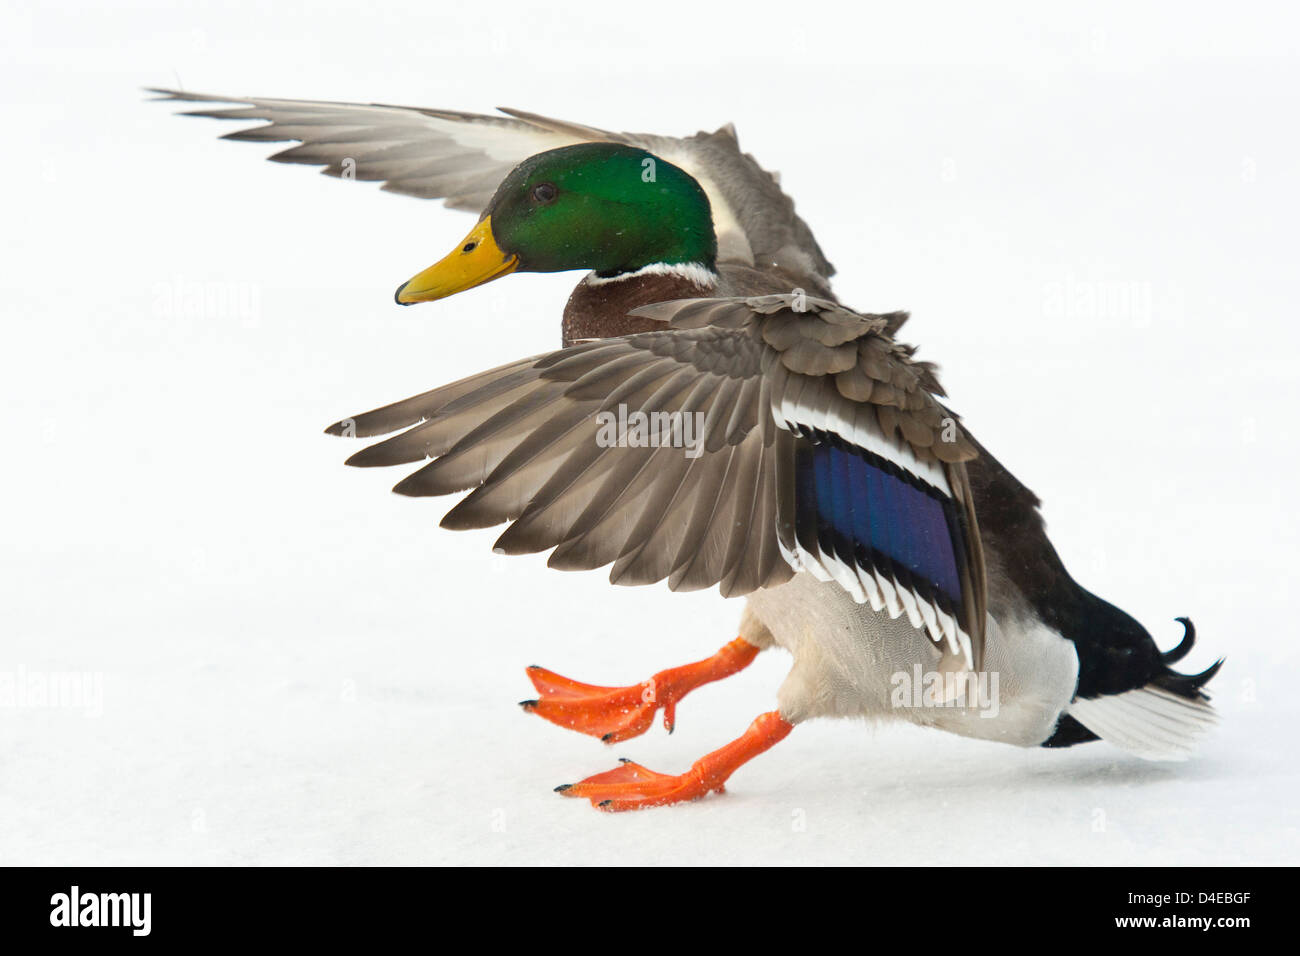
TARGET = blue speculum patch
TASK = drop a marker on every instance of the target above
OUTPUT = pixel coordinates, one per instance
(871, 513)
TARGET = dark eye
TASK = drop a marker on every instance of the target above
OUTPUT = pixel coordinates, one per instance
(545, 192)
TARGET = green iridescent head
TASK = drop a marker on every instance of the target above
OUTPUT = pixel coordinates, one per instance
(604, 207)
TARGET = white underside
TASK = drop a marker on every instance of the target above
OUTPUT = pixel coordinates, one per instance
(847, 659)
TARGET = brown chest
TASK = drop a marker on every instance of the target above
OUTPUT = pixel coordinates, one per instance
(600, 310)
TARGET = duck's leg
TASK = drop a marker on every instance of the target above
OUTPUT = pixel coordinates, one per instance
(617, 713)
(633, 787)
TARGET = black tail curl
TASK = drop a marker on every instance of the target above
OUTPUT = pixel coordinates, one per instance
(1185, 645)
(1186, 685)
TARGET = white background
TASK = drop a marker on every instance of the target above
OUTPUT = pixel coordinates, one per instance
(1090, 213)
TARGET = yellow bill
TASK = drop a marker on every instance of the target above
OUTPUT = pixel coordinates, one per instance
(478, 260)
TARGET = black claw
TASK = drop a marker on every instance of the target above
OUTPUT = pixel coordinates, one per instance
(604, 803)
(528, 704)
(562, 787)
(534, 667)
(624, 759)
(606, 738)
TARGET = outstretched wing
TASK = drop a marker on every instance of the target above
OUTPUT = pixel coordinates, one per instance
(744, 442)
(462, 157)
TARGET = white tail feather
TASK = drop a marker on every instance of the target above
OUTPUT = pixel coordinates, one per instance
(1149, 722)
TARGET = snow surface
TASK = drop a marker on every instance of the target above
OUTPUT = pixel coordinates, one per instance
(1091, 216)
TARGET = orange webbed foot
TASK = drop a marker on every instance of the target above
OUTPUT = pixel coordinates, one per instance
(620, 713)
(610, 713)
(631, 786)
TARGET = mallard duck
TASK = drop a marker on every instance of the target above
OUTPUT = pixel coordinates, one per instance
(716, 417)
